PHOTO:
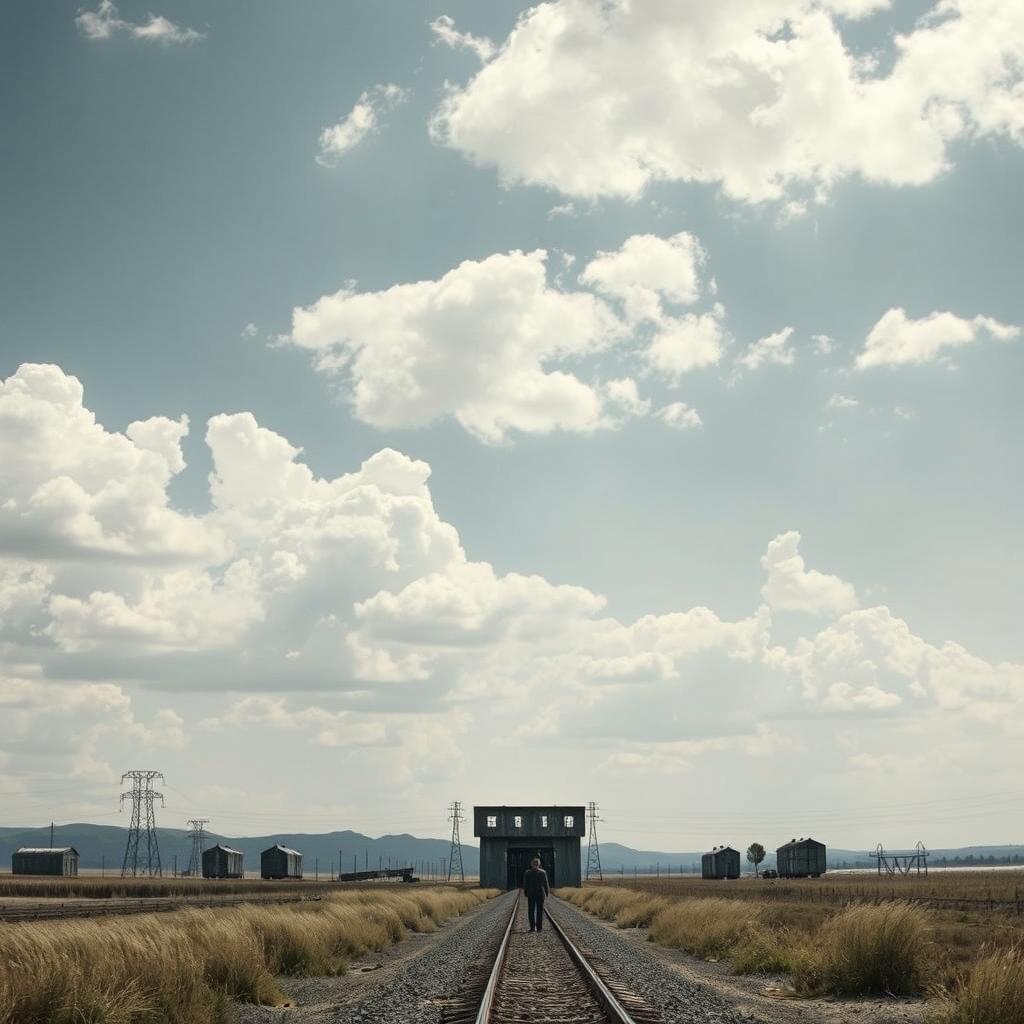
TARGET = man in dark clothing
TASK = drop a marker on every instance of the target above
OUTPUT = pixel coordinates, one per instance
(535, 885)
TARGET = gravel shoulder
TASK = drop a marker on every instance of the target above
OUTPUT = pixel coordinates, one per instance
(407, 983)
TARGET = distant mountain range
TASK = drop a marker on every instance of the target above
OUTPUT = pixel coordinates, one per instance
(102, 847)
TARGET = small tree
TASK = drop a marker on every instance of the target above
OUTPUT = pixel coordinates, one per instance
(755, 854)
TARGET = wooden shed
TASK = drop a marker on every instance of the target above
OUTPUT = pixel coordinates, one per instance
(720, 862)
(57, 860)
(511, 836)
(280, 862)
(801, 858)
(222, 862)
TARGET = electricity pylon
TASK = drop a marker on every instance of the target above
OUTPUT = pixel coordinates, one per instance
(456, 852)
(195, 862)
(142, 796)
(593, 850)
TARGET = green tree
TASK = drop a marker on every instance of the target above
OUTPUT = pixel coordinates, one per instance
(755, 854)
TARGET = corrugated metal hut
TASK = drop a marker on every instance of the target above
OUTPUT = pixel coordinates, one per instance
(32, 860)
(511, 836)
(720, 862)
(801, 858)
(222, 862)
(280, 862)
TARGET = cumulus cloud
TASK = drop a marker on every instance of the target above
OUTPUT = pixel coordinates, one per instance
(104, 22)
(792, 587)
(764, 99)
(362, 120)
(445, 30)
(897, 340)
(679, 415)
(771, 350)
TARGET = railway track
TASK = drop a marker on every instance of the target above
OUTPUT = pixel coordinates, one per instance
(545, 976)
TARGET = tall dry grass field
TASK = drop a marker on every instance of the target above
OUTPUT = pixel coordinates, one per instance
(944, 935)
(187, 967)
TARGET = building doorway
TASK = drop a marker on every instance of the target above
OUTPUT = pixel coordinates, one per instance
(518, 859)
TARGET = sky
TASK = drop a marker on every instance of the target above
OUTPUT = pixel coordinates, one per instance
(411, 403)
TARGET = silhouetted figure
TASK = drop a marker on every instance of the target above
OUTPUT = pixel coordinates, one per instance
(535, 885)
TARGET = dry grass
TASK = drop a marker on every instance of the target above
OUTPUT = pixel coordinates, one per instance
(186, 967)
(858, 934)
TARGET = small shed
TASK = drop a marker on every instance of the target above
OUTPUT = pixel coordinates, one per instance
(222, 861)
(801, 858)
(280, 862)
(720, 862)
(57, 860)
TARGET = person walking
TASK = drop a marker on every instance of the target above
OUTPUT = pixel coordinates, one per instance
(535, 886)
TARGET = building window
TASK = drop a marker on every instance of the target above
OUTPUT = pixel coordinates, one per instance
(570, 821)
(517, 821)
(543, 821)
(492, 821)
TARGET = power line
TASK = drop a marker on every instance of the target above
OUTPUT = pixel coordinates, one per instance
(593, 850)
(142, 796)
(195, 861)
(456, 851)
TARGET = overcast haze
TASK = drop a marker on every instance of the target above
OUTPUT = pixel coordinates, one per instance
(405, 402)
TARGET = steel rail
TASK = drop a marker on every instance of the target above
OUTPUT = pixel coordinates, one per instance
(614, 1010)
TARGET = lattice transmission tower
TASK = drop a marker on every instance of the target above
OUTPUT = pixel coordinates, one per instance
(593, 850)
(142, 796)
(198, 835)
(456, 851)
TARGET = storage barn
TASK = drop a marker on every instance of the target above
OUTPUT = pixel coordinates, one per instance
(222, 862)
(280, 862)
(31, 860)
(801, 858)
(720, 862)
(510, 837)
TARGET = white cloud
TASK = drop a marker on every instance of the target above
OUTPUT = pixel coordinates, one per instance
(679, 415)
(104, 22)
(481, 345)
(897, 340)
(444, 28)
(838, 401)
(362, 120)
(771, 350)
(791, 587)
(602, 99)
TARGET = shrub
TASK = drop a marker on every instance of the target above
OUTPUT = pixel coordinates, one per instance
(993, 993)
(706, 927)
(866, 950)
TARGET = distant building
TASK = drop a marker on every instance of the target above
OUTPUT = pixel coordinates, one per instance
(280, 862)
(801, 858)
(720, 862)
(31, 860)
(510, 837)
(222, 862)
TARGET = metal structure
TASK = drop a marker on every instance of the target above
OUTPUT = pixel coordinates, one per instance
(902, 863)
(198, 837)
(593, 850)
(801, 858)
(510, 837)
(456, 851)
(222, 861)
(280, 862)
(720, 862)
(142, 796)
(50, 860)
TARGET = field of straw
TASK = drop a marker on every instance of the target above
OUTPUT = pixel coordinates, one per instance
(956, 938)
(188, 967)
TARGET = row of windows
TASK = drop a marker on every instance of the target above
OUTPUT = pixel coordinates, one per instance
(569, 821)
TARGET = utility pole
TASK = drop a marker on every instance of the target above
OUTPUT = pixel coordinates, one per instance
(456, 852)
(142, 796)
(195, 861)
(593, 850)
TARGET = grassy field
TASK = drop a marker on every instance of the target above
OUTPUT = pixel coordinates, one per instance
(188, 967)
(956, 937)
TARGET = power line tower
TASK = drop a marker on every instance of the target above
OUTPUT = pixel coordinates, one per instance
(456, 852)
(195, 862)
(593, 850)
(142, 796)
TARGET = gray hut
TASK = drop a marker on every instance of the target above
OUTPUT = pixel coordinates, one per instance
(720, 862)
(32, 860)
(222, 862)
(801, 858)
(280, 862)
